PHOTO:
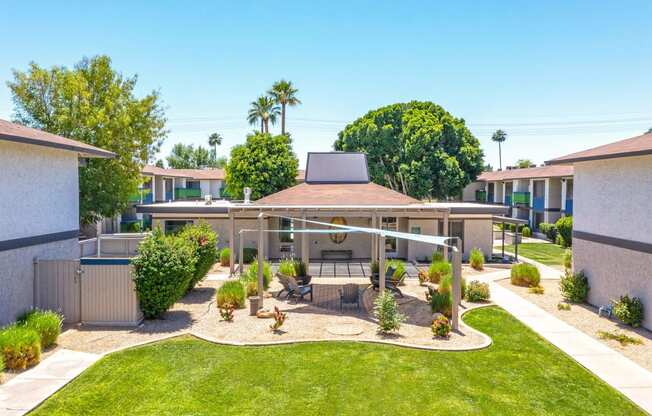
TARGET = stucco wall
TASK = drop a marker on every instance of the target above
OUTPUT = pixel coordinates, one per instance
(17, 274)
(360, 243)
(478, 234)
(468, 193)
(614, 271)
(613, 197)
(417, 250)
(39, 190)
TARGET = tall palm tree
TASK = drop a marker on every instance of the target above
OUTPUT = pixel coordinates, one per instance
(499, 136)
(285, 94)
(214, 140)
(264, 110)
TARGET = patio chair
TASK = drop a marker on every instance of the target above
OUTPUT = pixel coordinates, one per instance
(350, 294)
(284, 280)
(391, 282)
(298, 290)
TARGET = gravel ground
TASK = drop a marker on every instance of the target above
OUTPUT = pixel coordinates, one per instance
(585, 318)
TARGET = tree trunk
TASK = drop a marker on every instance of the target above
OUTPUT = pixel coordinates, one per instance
(262, 125)
(266, 125)
(500, 157)
(283, 118)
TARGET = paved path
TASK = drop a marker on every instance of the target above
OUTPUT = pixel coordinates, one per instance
(27, 390)
(624, 375)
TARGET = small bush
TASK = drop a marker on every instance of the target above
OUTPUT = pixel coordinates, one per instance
(225, 257)
(423, 277)
(537, 290)
(226, 312)
(440, 302)
(249, 278)
(568, 260)
(20, 347)
(2, 366)
(251, 288)
(231, 293)
(525, 275)
(564, 227)
(386, 311)
(437, 256)
(550, 230)
(526, 232)
(438, 270)
(399, 269)
(204, 240)
(46, 323)
(286, 267)
(374, 266)
(441, 327)
(446, 284)
(574, 286)
(476, 259)
(249, 254)
(623, 339)
(563, 306)
(629, 310)
(477, 291)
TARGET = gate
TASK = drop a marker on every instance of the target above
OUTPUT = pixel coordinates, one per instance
(57, 287)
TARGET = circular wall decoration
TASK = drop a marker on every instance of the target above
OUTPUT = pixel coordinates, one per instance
(338, 238)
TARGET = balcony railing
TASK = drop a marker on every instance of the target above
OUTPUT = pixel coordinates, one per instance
(521, 198)
(569, 207)
(187, 193)
(141, 196)
(538, 203)
(481, 196)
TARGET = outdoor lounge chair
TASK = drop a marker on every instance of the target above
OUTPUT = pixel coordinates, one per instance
(350, 294)
(284, 280)
(391, 282)
(298, 290)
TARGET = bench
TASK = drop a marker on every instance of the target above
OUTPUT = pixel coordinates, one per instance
(337, 254)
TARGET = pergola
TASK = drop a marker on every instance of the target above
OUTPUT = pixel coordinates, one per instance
(514, 221)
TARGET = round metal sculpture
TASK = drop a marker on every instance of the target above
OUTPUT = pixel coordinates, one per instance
(338, 238)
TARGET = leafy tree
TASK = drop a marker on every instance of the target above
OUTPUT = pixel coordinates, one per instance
(94, 104)
(284, 94)
(499, 137)
(265, 163)
(488, 168)
(649, 131)
(264, 110)
(417, 148)
(159, 163)
(185, 156)
(524, 163)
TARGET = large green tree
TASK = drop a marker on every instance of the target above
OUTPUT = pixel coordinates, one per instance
(264, 163)
(416, 148)
(94, 104)
(184, 156)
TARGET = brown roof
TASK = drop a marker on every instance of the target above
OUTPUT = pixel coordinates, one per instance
(337, 194)
(17, 133)
(527, 173)
(636, 146)
(185, 173)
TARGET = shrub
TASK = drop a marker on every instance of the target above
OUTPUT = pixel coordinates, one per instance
(568, 259)
(231, 293)
(286, 267)
(399, 269)
(423, 277)
(629, 310)
(300, 268)
(526, 232)
(279, 319)
(251, 275)
(446, 284)
(564, 227)
(2, 366)
(525, 275)
(537, 290)
(623, 339)
(563, 306)
(226, 312)
(20, 347)
(374, 266)
(477, 291)
(386, 311)
(249, 254)
(225, 257)
(574, 286)
(550, 230)
(204, 240)
(476, 258)
(251, 288)
(46, 323)
(163, 270)
(440, 302)
(441, 327)
(437, 256)
(438, 270)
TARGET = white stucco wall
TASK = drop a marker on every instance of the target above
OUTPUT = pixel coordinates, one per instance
(39, 190)
(478, 234)
(468, 193)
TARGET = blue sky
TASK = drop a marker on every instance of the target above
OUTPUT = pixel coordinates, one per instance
(558, 77)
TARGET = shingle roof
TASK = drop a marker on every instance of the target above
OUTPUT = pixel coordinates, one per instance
(337, 194)
(527, 173)
(17, 133)
(635, 146)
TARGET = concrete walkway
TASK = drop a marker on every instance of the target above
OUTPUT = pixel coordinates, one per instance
(624, 375)
(27, 390)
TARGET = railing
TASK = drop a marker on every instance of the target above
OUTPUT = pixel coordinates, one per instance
(508, 200)
(187, 193)
(481, 196)
(569, 207)
(141, 195)
(521, 198)
(538, 203)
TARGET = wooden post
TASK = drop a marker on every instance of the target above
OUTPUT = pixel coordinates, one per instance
(381, 265)
(231, 244)
(380, 245)
(445, 232)
(241, 253)
(457, 280)
(261, 255)
(305, 245)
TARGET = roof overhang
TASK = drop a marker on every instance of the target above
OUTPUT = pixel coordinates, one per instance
(81, 150)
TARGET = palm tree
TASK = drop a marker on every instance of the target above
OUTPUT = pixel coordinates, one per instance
(214, 140)
(264, 110)
(499, 136)
(284, 93)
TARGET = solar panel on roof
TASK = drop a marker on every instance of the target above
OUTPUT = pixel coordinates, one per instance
(337, 167)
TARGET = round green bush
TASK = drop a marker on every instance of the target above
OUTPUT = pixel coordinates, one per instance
(249, 254)
(629, 310)
(286, 267)
(477, 291)
(476, 259)
(225, 257)
(568, 259)
(574, 286)
(440, 302)
(204, 241)
(526, 231)
(438, 270)
(251, 274)
(46, 323)
(441, 326)
(20, 347)
(525, 275)
(437, 256)
(446, 284)
(231, 293)
(564, 227)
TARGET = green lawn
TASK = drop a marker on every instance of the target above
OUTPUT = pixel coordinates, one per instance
(546, 253)
(520, 374)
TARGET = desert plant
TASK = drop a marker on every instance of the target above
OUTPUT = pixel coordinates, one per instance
(564, 227)
(251, 275)
(225, 257)
(286, 267)
(568, 260)
(623, 339)
(477, 291)
(476, 259)
(441, 326)
(399, 269)
(524, 274)
(251, 288)
(537, 290)
(437, 256)
(374, 266)
(231, 293)
(549, 230)
(226, 312)
(249, 254)
(574, 286)
(46, 323)
(300, 268)
(629, 310)
(423, 277)
(526, 231)
(20, 347)
(204, 241)
(446, 283)
(438, 270)
(279, 319)
(563, 306)
(440, 302)
(387, 313)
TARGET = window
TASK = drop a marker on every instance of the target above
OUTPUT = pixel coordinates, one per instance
(415, 230)
(390, 224)
(455, 229)
(193, 185)
(174, 226)
(286, 224)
